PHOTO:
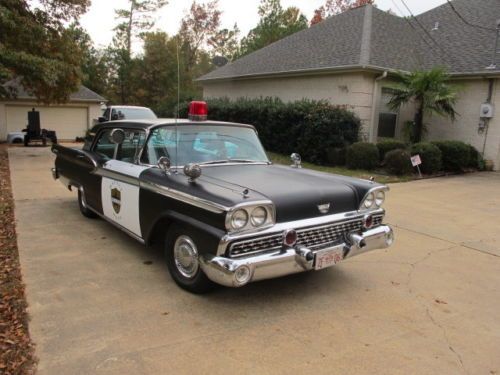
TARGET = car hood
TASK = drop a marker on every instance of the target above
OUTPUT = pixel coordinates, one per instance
(296, 193)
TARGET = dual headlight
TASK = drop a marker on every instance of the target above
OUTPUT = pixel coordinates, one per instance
(250, 217)
(374, 199)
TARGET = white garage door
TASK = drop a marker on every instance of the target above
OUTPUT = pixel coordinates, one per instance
(68, 122)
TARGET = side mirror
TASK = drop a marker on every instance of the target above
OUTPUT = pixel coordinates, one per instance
(101, 119)
(165, 164)
(296, 160)
(117, 136)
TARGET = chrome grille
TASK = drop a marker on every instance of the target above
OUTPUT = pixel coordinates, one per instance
(311, 237)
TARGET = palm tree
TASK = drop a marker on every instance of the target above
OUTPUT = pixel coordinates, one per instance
(431, 93)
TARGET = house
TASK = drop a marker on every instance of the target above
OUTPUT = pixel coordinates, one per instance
(348, 60)
(69, 120)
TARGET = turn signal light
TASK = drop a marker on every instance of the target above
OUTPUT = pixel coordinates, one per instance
(290, 238)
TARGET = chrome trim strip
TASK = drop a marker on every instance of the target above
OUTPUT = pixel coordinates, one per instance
(297, 224)
(108, 173)
(184, 197)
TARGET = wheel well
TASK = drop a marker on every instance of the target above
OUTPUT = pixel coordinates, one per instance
(157, 234)
(17, 140)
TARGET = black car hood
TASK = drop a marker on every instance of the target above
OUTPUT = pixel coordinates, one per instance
(296, 193)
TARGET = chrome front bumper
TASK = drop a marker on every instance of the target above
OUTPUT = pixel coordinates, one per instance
(224, 270)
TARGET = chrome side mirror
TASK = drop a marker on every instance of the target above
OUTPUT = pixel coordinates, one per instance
(117, 136)
(296, 160)
(165, 164)
(193, 171)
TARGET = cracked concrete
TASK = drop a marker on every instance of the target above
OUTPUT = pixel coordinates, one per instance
(102, 304)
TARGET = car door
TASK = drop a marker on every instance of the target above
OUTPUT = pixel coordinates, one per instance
(120, 182)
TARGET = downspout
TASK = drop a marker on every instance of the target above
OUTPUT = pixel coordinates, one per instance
(375, 100)
(491, 84)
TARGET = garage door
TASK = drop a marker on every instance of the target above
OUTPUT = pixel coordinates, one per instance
(68, 122)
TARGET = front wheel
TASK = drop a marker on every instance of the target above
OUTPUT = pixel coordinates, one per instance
(83, 206)
(181, 253)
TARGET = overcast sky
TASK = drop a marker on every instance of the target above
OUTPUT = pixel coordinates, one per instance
(99, 21)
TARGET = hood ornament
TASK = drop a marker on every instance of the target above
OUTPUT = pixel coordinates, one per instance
(324, 208)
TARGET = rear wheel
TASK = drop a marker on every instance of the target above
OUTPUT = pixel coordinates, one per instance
(83, 206)
(181, 253)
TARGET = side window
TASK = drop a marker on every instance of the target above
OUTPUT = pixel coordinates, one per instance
(104, 147)
(130, 148)
(160, 143)
(106, 114)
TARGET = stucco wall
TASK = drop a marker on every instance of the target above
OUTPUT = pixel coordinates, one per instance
(465, 128)
(93, 111)
(355, 91)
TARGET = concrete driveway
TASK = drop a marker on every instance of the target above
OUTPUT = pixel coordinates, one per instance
(103, 304)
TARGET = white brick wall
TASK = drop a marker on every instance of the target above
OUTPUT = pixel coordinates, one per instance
(354, 90)
(465, 128)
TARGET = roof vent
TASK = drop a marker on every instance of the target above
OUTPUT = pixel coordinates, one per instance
(436, 26)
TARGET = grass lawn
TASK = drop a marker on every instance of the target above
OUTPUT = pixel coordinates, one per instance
(379, 176)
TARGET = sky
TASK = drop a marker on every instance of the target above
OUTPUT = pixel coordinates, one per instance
(99, 20)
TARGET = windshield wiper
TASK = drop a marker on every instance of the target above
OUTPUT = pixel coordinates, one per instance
(232, 161)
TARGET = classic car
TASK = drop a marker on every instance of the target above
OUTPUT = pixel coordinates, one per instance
(223, 213)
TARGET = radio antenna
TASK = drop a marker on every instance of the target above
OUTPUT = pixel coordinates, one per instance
(178, 103)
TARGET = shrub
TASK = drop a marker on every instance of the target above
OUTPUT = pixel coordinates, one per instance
(475, 159)
(386, 145)
(362, 155)
(311, 128)
(431, 157)
(336, 156)
(398, 162)
(456, 155)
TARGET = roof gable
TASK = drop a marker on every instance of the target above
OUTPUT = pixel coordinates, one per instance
(367, 37)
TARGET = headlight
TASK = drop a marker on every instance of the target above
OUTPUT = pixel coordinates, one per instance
(239, 219)
(369, 200)
(258, 216)
(379, 198)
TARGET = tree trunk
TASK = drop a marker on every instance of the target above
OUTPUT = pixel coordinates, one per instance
(419, 122)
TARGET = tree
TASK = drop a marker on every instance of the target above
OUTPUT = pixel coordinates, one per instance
(135, 19)
(37, 50)
(333, 7)
(93, 64)
(431, 93)
(225, 43)
(198, 27)
(275, 23)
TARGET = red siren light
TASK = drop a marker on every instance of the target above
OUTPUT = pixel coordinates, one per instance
(198, 111)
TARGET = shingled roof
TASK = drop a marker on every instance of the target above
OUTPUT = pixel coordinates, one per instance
(82, 94)
(369, 38)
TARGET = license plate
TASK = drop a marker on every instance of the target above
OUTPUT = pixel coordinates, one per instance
(327, 258)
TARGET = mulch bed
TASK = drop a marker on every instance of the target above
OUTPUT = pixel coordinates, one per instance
(17, 352)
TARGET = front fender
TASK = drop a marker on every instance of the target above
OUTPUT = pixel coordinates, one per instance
(207, 235)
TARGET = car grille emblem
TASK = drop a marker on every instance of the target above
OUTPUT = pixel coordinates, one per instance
(116, 199)
(324, 208)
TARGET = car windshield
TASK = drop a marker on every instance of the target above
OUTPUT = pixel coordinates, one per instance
(204, 144)
(134, 113)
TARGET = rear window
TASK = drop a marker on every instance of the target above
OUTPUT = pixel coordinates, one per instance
(133, 114)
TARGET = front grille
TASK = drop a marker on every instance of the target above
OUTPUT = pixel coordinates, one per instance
(313, 238)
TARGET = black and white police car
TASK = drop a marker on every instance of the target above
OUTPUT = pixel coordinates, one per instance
(222, 211)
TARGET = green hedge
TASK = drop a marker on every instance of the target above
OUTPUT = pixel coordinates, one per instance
(431, 157)
(398, 162)
(362, 155)
(386, 145)
(456, 155)
(312, 128)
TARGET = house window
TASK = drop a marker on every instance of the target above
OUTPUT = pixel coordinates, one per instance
(387, 118)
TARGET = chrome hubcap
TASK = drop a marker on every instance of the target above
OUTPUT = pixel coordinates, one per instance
(186, 256)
